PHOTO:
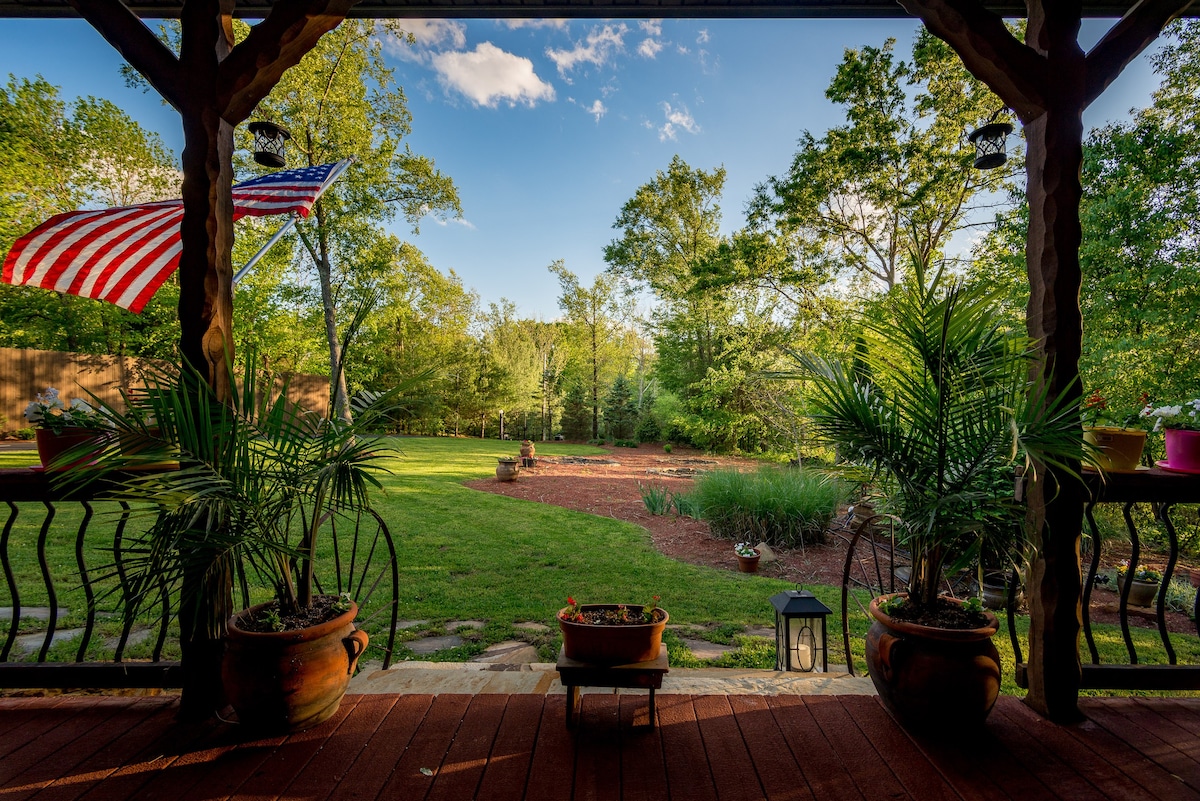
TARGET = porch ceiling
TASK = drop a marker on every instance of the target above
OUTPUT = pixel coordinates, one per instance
(157, 9)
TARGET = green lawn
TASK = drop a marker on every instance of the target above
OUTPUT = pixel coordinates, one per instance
(469, 555)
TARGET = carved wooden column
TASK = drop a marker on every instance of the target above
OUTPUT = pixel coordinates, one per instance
(1048, 82)
(214, 84)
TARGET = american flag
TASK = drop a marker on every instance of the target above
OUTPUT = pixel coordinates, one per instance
(124, 255)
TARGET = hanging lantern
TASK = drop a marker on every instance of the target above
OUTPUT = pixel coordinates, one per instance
(990, 142)
(270, 143)
(800, 632)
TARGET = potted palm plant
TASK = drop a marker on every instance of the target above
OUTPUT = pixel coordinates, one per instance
(941, 407)
(256, 481)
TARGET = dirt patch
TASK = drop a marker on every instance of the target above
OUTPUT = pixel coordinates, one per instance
(611, 486)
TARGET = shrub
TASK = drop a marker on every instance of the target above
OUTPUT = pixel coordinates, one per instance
(656, 498)
(667, 448)
(1180, 596)
(24, 433)
(785, 507)
(686, 505)
(625, 443)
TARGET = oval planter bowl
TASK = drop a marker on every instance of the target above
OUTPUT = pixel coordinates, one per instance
(934, 679)
(611, 645)
(289, 681)
(1119, 450)
(1141, 593)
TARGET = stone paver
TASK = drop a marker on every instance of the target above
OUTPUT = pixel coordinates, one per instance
(427, 645)
(32, 612)
(510, 652)
(455, 625)
(703, 649)
(29, 643)
(530, 625)
(542, 679)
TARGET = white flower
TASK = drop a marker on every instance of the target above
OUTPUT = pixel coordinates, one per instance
(33, 412)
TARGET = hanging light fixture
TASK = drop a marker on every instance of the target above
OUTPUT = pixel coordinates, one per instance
(990, 143)
(270, 143)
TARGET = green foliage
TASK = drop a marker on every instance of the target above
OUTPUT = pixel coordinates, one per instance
(656, 498)
(1180, 596)
(576, 416)
(783, 507)
(942, 416)
(620, 410)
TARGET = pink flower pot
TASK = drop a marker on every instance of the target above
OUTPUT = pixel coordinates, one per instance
(1183, 450)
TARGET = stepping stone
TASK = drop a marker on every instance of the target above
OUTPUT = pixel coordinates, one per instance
(703, 649)
(455, 625)
(411, 624)
(529, 625)
(511, 652)
(33, 612)
(760, 631)
(428, 645)
(30, 643)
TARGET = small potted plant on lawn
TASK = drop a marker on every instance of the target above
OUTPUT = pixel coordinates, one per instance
(257, 481)
(74, 428)
(747, 557)
(1181, 431)
(507, 468)
(940, 410)
(612, 634)
(1143, 583)
(1116, 440)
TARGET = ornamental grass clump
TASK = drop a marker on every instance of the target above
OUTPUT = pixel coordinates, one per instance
(784, 507)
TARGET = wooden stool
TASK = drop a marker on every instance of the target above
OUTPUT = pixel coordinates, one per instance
(640, 675)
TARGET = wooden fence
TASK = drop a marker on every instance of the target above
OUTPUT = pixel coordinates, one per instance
(24, 373)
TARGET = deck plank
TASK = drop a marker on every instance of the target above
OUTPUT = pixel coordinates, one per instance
(823, 768)
(502, 748)
(463, 767)
(643, 771)
(688, 773)
(508, 764)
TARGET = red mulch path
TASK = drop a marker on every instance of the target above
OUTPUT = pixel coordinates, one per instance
(614, 490)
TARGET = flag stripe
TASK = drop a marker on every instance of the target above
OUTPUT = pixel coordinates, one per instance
(123, 255)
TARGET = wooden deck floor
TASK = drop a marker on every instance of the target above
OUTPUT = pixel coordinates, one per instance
(490, 747)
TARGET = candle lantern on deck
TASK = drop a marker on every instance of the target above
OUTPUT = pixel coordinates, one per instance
(991, 142)
(270, 143)
(801, 642)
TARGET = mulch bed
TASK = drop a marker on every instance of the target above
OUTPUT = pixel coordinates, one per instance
(611, 486)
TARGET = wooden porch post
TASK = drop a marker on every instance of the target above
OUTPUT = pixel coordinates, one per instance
(214, 84)
(1048, 82)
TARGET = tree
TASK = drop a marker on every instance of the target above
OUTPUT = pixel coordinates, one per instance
(359, 110)
(594, 328)
(892, 184)
(620, 410)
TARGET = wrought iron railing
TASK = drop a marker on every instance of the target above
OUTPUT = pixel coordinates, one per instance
(56, 545)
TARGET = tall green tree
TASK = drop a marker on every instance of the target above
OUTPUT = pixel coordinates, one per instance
(893, 183)
(339, 101)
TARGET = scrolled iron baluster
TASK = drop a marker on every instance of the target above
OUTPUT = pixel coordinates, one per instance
(11, 580)
(48, 580)
(1172, 559)
(1134, 557)
(89, 594)
(1093, 569)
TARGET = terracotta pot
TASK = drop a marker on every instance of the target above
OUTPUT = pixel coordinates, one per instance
(611, 645)
(527, 449)
(507, 471)
(748, 564)
(1141, 593)
(935, 679)
(290, 680)
(1119, 449)
(50, 445)
(1183, 449)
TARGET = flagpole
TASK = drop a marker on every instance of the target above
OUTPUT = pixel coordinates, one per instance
(287, 226)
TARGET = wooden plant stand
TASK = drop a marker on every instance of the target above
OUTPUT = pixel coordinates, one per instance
(639, 675)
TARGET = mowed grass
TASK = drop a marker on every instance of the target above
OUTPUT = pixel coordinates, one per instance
(470, 555)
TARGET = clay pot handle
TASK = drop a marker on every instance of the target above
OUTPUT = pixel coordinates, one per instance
(886, 643)
(355, 644)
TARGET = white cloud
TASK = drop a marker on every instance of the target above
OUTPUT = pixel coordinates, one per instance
(649, 48)
(428, 34)
(652, 27)
(488, 75)
(682, 50)
(597, 110)
(677, 119)
(597, 48)
(513, 24)
(702, 37)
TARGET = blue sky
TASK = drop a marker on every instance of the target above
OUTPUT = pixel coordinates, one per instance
(548, 127)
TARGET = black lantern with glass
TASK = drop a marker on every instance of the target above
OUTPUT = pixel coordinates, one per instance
(270, 143)
(801, 642)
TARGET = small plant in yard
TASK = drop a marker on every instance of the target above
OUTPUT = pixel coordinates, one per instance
(745, 549)
(686, 505)
(667, 448)
(1180, 596)
(657, 499)
(1142, 573)
(780, 507)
